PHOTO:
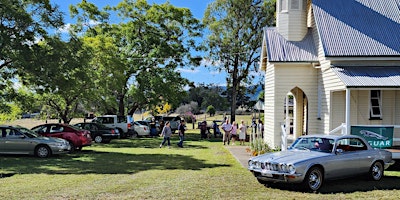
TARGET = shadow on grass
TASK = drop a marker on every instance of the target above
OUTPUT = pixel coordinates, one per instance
(350, 185)
(101, 163)
(146, 143)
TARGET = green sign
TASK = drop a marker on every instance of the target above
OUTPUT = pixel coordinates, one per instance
(377, 136)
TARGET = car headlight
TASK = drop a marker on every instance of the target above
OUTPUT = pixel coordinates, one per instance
(292, 169)
(251, 163)
(284, 167)
(268, 166)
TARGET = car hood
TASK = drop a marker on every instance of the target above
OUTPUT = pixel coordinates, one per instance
(290, 156)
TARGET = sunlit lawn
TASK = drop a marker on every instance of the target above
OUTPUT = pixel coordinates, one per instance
(138, 169)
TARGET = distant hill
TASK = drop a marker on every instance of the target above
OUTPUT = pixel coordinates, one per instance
(253, 96)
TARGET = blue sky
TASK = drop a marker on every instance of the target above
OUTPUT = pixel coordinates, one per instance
(200, 74)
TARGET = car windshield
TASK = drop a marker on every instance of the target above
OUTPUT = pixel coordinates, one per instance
(141, 122)
(313, 144)
(27, 132)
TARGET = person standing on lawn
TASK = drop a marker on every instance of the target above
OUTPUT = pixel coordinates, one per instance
(242, 132)
(181, 133)
(166, 132)
(234, 132)
(227, 128)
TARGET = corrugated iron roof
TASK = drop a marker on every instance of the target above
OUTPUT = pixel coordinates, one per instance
(368, 76)
(281, 50)
(358, 27)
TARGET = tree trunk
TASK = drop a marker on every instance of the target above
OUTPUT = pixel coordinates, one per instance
(235, 86)
(121, 105)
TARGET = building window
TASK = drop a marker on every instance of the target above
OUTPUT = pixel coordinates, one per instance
(295, 4)
(284, 5)
(375, 105)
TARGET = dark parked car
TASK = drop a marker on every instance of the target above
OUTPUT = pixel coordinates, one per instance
(313, 159)
(77, 138)
(20, 140)
(99, 132)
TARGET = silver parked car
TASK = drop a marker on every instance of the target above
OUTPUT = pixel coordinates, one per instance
(314, 158)
(20, 140)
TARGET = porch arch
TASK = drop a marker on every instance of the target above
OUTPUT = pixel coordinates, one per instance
(296, 113)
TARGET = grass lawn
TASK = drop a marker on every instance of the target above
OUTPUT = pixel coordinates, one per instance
(138, 169)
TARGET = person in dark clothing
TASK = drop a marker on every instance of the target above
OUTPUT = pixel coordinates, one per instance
(181, 133)
(203, 130)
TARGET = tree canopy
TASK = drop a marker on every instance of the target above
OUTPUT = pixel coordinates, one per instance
(235, 36)
(142, 52)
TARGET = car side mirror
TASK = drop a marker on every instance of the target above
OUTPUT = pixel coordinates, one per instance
(22, 136)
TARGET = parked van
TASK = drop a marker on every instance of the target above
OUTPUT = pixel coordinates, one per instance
(160, 120)
(122, 123)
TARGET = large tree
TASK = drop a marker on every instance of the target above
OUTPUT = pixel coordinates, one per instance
(149, 44)
(235, 36)
(63, 75)
(22, 23)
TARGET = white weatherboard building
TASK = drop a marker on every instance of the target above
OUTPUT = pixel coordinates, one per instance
(339, 60)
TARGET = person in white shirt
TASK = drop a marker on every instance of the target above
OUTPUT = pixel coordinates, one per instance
(242, 133)
(227, 128)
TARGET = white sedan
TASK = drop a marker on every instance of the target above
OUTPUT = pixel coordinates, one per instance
(141, 128)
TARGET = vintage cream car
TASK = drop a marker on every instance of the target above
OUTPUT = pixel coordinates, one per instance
(314, 158)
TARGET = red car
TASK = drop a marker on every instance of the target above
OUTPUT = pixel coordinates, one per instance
(77, 138)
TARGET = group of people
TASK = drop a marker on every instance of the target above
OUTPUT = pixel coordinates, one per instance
(231, 132)
(167, 132)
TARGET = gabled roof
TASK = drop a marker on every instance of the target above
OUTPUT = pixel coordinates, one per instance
(368, 76)
(358, 27)
(281, 50)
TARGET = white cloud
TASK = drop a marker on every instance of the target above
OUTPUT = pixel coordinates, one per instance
(208, 62)
(65, 28)
(192, 71)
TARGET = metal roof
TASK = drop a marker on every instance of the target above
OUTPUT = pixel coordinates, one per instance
(281, 50)
(368, 76)
(358, 27)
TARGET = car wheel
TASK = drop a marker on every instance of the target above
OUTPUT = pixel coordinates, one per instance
(313, 179)
(106, 141)
(98, 139)
(42, 151)
(72, 150)
(135, 135)
(376, 171)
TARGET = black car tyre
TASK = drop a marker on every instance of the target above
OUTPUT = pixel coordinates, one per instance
(98, 139)
(72, 150)
(135, 135)
(106, 141)
(313, 179)
(376, 171)
(42, 151)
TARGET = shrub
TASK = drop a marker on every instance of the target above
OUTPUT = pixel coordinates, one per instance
(258, 147)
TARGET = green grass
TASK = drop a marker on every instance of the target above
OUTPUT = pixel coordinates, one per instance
(138, 169)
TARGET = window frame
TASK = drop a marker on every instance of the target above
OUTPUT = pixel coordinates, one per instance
(375, 104)
(284, 8)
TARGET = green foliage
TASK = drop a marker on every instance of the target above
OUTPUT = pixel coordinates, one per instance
(258, 147)
(14, 112)
(64, 77)
(235, 34)
(206, 95)
(211, 110)
(21, 24)
(137, 59)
